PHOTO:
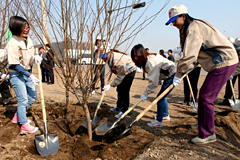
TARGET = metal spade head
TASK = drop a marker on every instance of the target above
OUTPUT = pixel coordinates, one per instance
(235, 105)
(47, 146)
(114, 133)
(94, 122)
(102, 129)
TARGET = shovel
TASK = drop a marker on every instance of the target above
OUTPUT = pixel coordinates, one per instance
(104, 128)
(96, 120)
(235, 103)
(120, 130)
(45, 143)
(194, 106)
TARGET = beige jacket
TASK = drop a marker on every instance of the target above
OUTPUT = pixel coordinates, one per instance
(155, 67)
(206, 45)
(19, 53)
(121, 65)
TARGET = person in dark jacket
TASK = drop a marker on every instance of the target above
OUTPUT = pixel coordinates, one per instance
(50, 63)
(170, 56)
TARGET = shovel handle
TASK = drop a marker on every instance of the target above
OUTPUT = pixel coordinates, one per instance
(234, 99)
(160, 96)
(190, 87)
(131, 108)
(41, 92)
(100, 101)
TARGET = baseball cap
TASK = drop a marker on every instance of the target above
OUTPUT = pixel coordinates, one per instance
(175, 11)
(237, 43)
(99, 37)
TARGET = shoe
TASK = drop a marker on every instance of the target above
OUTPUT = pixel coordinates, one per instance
(143, 79)
(119, 114)
(7, 101)
(93, 92)
(115, 109)
(16, 119)
(50, 83)
(186, 103)
(167, 118)
(155, 123)
(102, 93)
(209, 139)
(225, 103)
(26, 127)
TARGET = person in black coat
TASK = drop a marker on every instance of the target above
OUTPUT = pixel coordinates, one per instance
(170, 56)
(49, 60)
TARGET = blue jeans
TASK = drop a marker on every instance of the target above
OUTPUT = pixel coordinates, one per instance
(26, 94)
(162, 104)
(97, 69)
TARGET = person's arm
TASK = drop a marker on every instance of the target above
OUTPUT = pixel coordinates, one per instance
(120, 74)
(169, 67)
(20, 69)
(153, 76)
(191, 50)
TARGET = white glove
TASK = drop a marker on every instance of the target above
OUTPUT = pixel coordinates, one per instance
(160, 82)
(176, 81)
(4, 75)
(143, 97)
(231, 77)
(38, 59)
(34, 79)
(107, 87)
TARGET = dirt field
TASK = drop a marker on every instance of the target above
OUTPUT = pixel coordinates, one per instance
(169, 142)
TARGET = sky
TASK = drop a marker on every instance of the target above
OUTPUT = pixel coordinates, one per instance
(222, 14)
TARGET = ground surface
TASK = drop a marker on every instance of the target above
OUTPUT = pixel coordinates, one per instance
(169, 142)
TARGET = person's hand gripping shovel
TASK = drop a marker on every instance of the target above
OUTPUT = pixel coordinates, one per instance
(45, 143)
(120, 130)
(96, 120)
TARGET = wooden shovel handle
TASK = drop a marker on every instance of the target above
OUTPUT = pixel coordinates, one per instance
(160, 96)
(234, 99)
(100, 101)
(41, 92)
(190, 87)
(131, 108)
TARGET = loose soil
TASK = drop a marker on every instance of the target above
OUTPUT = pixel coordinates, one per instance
(169, 142)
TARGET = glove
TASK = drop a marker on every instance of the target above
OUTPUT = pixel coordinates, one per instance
(38, 59)
(176, 81)
(4, 75)
(143, 97)
(107, 87)
(34, 79)
(231, 77)
(160, 82)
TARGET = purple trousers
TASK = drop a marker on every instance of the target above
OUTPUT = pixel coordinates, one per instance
(207, 95)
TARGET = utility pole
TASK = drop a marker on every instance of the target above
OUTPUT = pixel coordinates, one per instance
(44, 20)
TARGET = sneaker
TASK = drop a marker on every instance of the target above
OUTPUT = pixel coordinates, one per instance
(155, 123)
(26, 127)
(115, 109)
(16, 119)
(119, 114)
(209, 139)
(93, 92)
(167, 118)
(102, 93)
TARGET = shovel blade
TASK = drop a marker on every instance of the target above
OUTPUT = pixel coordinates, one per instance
(45, 148)
(103, 129)
(94, 123)
(235, 105)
